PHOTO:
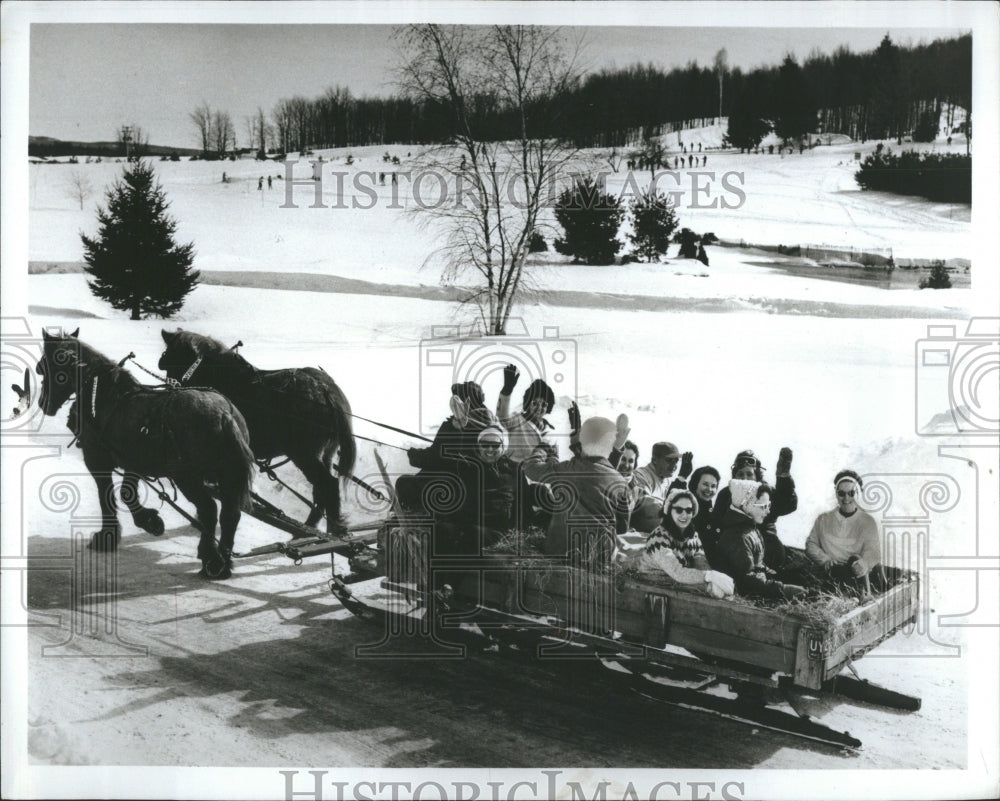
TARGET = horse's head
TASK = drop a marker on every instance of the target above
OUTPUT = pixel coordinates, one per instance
(181, 352)
(59, 368)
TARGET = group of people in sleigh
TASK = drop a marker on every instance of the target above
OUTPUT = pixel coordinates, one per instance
(488, 473)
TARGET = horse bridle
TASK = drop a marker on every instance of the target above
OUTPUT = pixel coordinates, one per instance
(190, 371)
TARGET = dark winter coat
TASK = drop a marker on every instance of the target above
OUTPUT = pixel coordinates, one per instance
(449, 442)
(784, 501)
(591, 500)
(740, 553)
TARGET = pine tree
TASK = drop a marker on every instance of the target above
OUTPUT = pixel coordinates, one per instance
(133, 260)
(590, 220)
(939, 278)
(796, 110)
(746, 128)
(653, 222)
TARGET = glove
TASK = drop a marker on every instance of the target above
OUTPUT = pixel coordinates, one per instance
(23, 395)
(459, 410)
(412, 454)
(622, 431)
(574, 418)
(686, 459)
(719, 584)
(784, 467)
(510, 376)
(792, 591)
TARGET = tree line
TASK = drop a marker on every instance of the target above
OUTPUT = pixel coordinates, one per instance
(883, 93)
(887, 93)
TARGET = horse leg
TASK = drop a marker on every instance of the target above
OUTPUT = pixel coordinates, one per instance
(145, 518)
(100, 465)
(326, 491)
(229, 519)
(213, 565)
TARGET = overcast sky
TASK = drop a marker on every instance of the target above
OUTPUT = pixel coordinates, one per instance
(86, 80)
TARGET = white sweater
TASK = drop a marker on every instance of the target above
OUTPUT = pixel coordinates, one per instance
(834, 539)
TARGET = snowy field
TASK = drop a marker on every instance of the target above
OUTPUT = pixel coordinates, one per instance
(715, 359)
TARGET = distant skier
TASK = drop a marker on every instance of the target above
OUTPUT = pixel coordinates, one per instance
(269, 182)
(260, 183)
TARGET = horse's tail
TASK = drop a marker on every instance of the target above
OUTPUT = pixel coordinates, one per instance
(348, 447)
(341, 410)
(240, 463)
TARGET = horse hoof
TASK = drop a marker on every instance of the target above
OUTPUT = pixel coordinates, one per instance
(105, 540)
(150, 522)
(216, 569)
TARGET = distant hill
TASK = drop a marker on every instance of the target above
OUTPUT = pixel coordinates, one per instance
(47, 146)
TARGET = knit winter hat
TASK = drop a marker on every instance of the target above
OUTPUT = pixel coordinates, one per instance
(470, 392)
(494, 433)
(744, 494)
(675, 495)
(597, 436)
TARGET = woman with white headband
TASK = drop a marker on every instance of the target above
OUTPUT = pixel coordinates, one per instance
(844, 542)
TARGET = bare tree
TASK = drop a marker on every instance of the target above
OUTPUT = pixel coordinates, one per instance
(500, 186)
(281, 117)
(133, 141)
(202, 119)
(223, 133)
(79, 186)
(721, 61)
(614, 158)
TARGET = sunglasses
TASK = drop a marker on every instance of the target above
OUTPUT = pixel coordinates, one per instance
(845, 494)
(487, 445)
(682, 510)
(765, 505)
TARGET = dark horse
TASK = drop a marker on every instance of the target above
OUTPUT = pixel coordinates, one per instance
(187, 435)
(299, 413)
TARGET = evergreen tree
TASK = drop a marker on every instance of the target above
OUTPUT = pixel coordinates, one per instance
(590, 220)
(653, 222)
(537, 243)
(746, 128)
(796, 111)
(887, 89)
(134, 261)
(939, 278)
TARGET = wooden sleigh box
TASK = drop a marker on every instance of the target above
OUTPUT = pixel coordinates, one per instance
(644, 609)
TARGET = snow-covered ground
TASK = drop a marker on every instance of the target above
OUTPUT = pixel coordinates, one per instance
(808, 198)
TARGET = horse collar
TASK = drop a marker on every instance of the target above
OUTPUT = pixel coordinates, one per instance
(190, 371)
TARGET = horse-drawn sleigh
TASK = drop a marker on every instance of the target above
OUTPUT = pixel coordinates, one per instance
(660, 639)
